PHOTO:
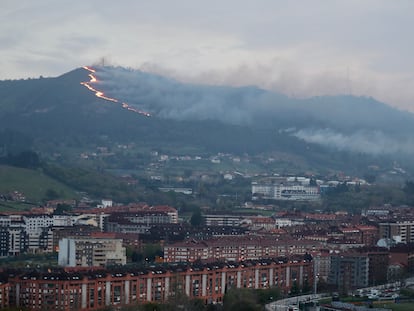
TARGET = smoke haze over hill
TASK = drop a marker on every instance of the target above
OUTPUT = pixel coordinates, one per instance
(301, 49)
(349, 123)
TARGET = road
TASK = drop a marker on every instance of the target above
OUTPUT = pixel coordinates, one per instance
(283, 304)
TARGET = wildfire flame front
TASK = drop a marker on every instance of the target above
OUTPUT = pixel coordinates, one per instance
(101, 94)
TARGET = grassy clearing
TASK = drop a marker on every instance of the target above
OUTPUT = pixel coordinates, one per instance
(15, 206)
(32, 183)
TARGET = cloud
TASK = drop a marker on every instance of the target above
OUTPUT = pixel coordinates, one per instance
(299, 49)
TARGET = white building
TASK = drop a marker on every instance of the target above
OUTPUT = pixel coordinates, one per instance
(280, 188)
(106, 203)
(223, 220)
(34, 226)
(63, 220)
(91, 252)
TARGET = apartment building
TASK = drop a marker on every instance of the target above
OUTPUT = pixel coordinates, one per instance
(400, 231)
(235, 248)
(34, 227)
(225, 220)
(349, 271)
(91, 252)
(96, 289)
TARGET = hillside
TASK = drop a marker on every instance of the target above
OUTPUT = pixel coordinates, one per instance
(61, 118)
(33, 184)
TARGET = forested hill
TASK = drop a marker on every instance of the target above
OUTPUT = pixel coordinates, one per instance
(57, 114)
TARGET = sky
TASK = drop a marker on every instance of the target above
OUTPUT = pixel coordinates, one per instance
(299, 48)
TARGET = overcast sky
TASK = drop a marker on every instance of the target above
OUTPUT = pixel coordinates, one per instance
(300, 48)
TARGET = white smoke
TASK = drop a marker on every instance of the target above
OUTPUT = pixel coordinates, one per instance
(350, 123)
(363, 141)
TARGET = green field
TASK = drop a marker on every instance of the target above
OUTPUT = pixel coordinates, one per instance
(35, 185)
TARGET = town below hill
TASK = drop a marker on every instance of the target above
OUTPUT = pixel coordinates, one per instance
(132, 249)
(107, 202)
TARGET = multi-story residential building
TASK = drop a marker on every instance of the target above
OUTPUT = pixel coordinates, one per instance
(235, 248)
(180, 232)
(378, 262)
(63, 220)
(171, 211)
(225, 220)
(4, 241)
(4, 291)
(142, 217)
(18, 238)
(97, 289)
(72, 231)
(5, 221)
(349, 271)
(34, 226)
(138, 220)
(46, 240)
(400, 231)
(126, 226)
(322, 264)
(361, 234)
(143, 213)
(360, 267)
(403, 255)
(369, 234)
(91, 252)
(260, 222)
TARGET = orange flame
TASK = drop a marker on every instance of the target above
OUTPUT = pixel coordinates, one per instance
(101, 94)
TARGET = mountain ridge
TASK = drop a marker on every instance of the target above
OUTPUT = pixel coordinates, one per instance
(60, 112)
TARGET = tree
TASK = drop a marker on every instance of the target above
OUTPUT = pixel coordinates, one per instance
(237, 299)
(151, 251)
(25, 159)
(197, 218)
(265, 296)
(294, 290)
(60, 208)
(51, 194)
(306, 288)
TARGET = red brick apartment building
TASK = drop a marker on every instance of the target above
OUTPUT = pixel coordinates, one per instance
(236, 248)
(79, 289)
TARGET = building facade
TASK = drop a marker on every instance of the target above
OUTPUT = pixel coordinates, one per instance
(400, 231)
(96, 289)
(235, 248)
(349, 271)
(91, 252)
(284, 189)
